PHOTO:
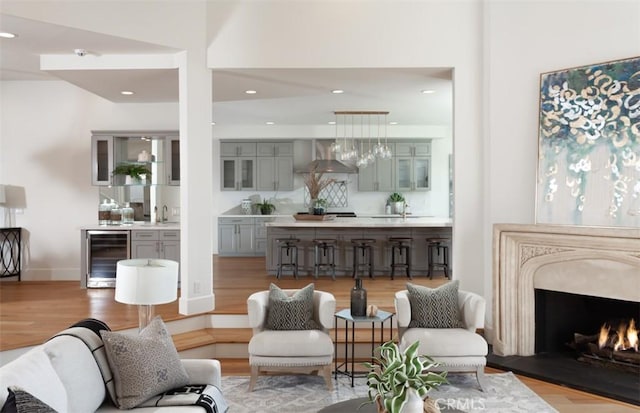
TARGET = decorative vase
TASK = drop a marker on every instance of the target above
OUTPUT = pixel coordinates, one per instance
(398, 207)
(414, 403)
(358, 300)
(312, 206)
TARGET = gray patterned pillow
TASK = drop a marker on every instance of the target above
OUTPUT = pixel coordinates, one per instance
(290, 313)
(145, 365)
(434, 307)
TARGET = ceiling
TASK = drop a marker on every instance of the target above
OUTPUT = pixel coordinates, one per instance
(284, 96)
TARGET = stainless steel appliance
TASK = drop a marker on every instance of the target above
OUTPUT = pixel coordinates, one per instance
(103, 251)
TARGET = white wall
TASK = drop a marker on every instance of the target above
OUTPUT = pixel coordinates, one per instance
(524, 39)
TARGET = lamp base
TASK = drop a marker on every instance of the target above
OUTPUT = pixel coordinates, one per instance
(145, 315)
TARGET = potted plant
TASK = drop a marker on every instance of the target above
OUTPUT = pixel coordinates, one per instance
(319, 206)
(315, 184)
(266, 207)
(397, 202)
(401, 378)
(135, 173)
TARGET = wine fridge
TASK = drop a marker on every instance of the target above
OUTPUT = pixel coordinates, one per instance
(103, 250)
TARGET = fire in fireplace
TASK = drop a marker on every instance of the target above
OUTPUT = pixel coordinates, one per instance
(612, 347)
(625, 337)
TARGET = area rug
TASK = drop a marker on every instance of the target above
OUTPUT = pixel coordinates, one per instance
(307, 394)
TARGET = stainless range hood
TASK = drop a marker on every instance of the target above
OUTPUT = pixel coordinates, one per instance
(324, 162)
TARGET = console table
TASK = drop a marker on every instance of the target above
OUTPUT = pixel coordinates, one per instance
(10, 252)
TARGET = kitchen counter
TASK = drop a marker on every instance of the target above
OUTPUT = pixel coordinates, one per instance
(134, 226)
(364, 222)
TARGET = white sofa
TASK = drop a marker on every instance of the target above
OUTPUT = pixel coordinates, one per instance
(64, 374)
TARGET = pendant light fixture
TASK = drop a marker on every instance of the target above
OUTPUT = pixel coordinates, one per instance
(366, 152)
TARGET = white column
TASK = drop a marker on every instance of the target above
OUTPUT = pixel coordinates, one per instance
(196, 188)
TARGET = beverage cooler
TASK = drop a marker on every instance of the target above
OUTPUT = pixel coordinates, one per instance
(102, 251)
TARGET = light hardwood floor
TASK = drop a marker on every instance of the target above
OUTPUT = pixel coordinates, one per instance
(30, 312)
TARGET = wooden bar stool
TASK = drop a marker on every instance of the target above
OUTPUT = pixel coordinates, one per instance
(401, 246)
(362, 247)
(289, 248)
(435, 246)
(324, 248)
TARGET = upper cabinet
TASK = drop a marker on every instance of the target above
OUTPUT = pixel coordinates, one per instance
(156, 152)
(412, 166)
(249, 166)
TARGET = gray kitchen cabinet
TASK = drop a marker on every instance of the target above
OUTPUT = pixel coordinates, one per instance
(413, 149)
(164, 244)
(412, 174)
(275, 173)
(275, 148)
(237, 148)
(378, 176)
(172, 168)
(107, 151)
(236, 237)
(238, 173)
(260, 233)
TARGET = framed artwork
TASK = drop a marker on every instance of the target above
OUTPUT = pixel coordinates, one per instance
(589, 146)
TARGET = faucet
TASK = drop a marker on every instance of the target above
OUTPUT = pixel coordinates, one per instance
(404, 211)
(155, 212)
(165, 209)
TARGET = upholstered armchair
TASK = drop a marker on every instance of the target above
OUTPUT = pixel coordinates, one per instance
(456, 349)
(308, 349)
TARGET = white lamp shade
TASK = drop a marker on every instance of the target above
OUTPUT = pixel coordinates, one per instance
(3, 196)
(146, 281)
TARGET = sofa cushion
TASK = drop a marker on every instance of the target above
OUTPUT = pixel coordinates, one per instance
(20, 401)
(143, 365)
(290, 312)
(434, 307)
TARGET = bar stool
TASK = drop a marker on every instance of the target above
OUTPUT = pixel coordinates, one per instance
(324, 247)
(288, 247)
(403, 247)
(364, 247)
(434, 247)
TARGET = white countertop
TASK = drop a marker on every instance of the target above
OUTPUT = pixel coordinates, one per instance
(366, 222)
(135, 225)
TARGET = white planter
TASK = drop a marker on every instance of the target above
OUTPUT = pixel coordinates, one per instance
(398, 207)
(414, 403)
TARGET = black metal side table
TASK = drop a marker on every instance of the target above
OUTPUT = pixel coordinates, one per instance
(347, 367)
(10, 252)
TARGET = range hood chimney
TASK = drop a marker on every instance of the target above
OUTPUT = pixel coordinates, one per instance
(324, 162)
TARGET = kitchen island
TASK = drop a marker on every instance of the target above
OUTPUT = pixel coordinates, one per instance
(379, 228)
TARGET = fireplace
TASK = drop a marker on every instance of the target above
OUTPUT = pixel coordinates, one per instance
(546, 278)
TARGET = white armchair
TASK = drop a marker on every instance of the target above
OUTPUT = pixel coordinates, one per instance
(455, 349)
(296, 351)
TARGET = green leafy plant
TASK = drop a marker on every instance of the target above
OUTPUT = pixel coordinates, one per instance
(395, 372)
(133, 170)
(396, 197)
(265, 207)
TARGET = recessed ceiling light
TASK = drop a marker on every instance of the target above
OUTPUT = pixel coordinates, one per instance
(126, 92)
(270, 123)
(427, 91)
(332, 122)
(393, 123)
(337, 91)
(213, 123)
(7, 35)
(250, 92)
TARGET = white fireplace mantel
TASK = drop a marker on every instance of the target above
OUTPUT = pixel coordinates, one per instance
(602, 262)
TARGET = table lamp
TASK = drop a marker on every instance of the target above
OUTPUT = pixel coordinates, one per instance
(146, 282)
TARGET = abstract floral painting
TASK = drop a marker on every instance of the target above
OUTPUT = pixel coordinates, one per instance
(589, 146)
